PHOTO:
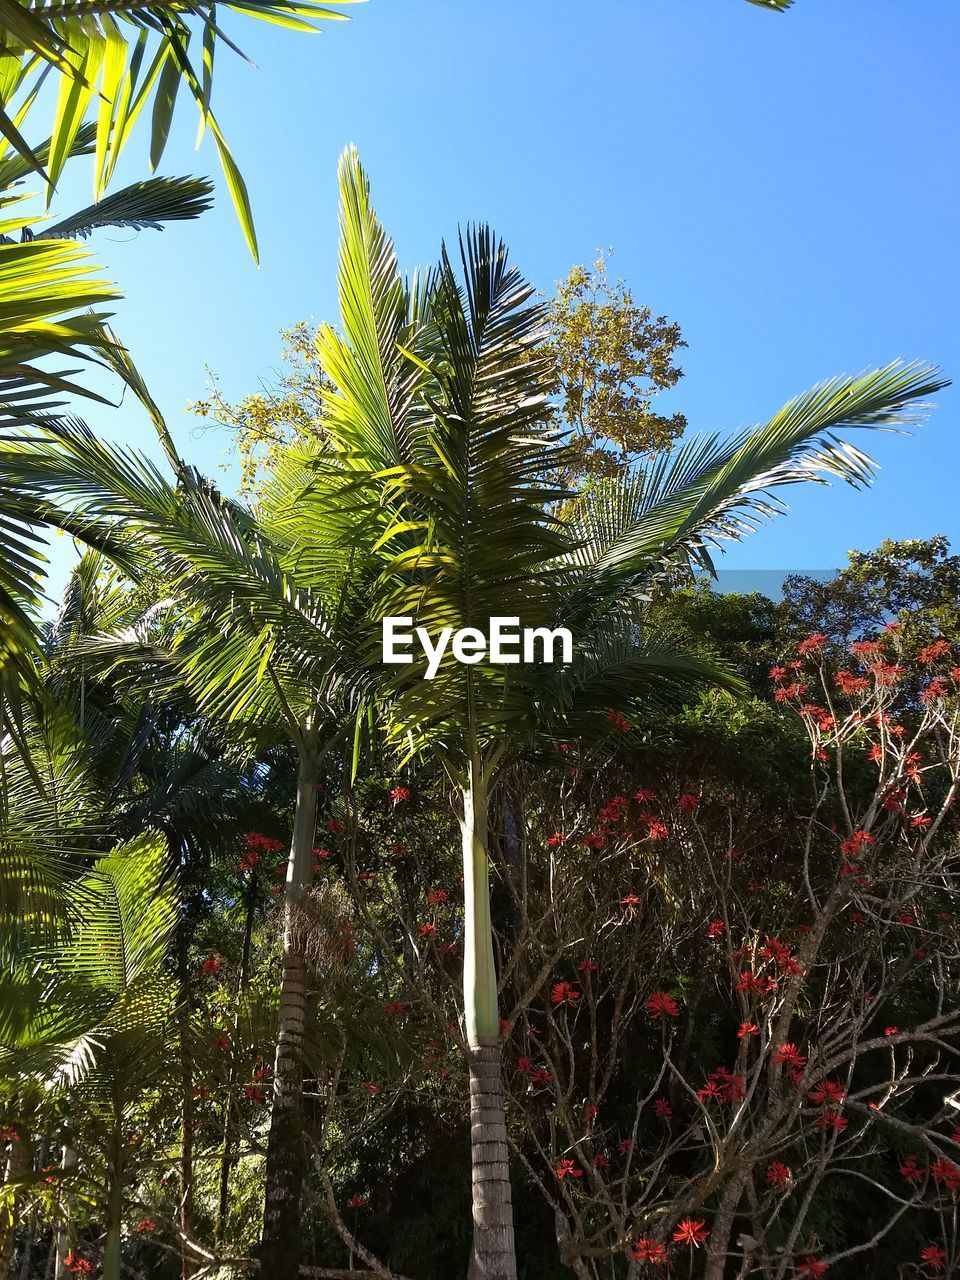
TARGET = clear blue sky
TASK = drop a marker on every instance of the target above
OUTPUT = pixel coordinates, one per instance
(786, 187)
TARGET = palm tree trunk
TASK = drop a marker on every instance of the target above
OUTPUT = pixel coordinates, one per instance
(111, 1250)
(186, 1102)
(494, 1253)
(229, 1116)
(280, 1241)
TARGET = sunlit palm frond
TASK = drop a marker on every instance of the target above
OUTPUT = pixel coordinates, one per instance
(117, 61)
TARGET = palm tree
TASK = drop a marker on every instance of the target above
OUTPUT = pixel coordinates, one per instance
(263, 637)
(92, 1015)
(438, 437)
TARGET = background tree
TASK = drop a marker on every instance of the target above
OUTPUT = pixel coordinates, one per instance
(612, 358)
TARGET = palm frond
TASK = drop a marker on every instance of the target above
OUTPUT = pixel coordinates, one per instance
(710, 490)
(120, 60)
(143, 204)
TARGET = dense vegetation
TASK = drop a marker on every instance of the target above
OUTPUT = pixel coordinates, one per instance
(313, 966)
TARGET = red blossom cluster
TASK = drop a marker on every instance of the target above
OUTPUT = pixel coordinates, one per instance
(619, 720)
(255, 846)
(662, 1005)
(722, 1086)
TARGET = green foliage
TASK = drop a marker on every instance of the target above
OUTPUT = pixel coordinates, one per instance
(114, 62)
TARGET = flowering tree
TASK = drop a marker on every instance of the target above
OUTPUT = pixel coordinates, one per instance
(726, 1010)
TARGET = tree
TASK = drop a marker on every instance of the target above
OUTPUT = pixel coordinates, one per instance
(94, 1014)
(612, 357)
(917, 579)
(263, 636)
(437, 432)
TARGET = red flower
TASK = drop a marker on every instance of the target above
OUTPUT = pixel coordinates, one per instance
(587, 966)
(145, 1225)
(644, 796)
(436, 895)
(399, 794)
(335, 826)
(619, 721)
(716, 929)
(356, 1202)
(647, 1250)
(812, 643)
(690, 1233)
(938, 649)
(426, 930)
(891, 1031)
(79, 1266)
(910, 1172)
(747, 1029)
(832, 1120)
(540, 1076)
(662, 1005)
(945, 1171)
(827, 1091)
(220, 1042)
(396, 1009)
(626, 1146)
(600, 1161)
(657, 830)
(662, 1109)
(255, 1093)
(778, 1174)
(934, 1257)
(629, 900)
(687, 803)
(555, 840)
(210, 965)
(568, 1169)
(921, 821)
(371, 1088)
(564, 993)
(789, 1053)
(614, 810)
(397, 848)
(813, 1268)
(9, 1135)
(937, 688)
(847, 682)
(752, 982)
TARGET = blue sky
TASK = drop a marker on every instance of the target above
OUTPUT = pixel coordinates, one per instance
(786, 187)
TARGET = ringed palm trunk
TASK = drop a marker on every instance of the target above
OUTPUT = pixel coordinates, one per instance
(280, 1241)
(114, 1207)
(494, 1253)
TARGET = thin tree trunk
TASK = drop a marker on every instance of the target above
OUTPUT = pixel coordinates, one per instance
(723, 1227)
(68, 1161)
(280, 1242)
(186, 1104)
(229, 1116)
(111, 1251)
(17, 1167)
(494, 1251)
